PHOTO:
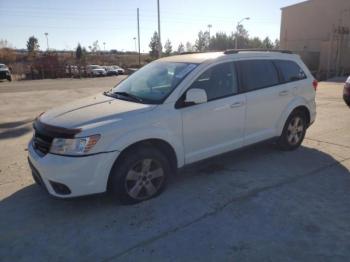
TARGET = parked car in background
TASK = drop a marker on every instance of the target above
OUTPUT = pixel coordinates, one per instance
(170, 113)
(120, 70)
(5, 72)
(346, 91)
(111, 71)
(95, 70)
(75, 71)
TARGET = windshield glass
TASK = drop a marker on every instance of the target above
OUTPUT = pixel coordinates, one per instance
(155, 81)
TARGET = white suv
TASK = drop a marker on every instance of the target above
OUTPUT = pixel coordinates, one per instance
(172, 112)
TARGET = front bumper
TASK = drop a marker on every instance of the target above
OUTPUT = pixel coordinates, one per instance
(81, 175)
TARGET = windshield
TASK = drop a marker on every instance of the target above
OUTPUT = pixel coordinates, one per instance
(155, 81)
(2, 66)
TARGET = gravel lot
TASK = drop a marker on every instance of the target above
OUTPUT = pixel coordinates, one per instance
(256, 204)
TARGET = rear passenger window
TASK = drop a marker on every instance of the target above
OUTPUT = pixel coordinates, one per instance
(290, 70)
(257, 74)
(218, 82)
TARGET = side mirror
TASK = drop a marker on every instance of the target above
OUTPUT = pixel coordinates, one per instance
(196, 96)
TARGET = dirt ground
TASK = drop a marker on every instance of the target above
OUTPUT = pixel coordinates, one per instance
(256, 204)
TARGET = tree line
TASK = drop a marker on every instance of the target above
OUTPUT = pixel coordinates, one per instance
(218, 42)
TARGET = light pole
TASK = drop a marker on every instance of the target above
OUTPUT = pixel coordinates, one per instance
(238, 24)
(47, 40)
(209, 27)
(104, 46)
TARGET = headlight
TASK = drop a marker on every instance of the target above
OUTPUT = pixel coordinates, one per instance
(76, 146)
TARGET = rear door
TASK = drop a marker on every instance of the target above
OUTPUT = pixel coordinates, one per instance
(266, 98)
(294, 78)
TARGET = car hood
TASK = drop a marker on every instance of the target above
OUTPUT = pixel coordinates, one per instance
(92, 112)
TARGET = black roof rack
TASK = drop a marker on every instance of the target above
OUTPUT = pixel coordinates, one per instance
(189, 53)
(236, 51)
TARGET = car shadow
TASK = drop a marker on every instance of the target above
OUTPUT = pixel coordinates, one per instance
(234, 163)
(15, 129)
(15, 124)
(29, 215)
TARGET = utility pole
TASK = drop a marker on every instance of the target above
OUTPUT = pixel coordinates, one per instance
(209, 26)
(138, 34)
(47, 40)
(104, 46)
(238, 24)
(159, 39)
(135, 44)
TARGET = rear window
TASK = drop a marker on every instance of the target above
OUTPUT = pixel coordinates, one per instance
(290, 70)
(257, 74)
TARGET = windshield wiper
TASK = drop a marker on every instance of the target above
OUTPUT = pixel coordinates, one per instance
(125, 94)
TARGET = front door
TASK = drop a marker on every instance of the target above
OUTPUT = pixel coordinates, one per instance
(216, 126)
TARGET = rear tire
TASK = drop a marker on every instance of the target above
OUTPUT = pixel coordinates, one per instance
(293, 132)
(9, 78)
(139, 175)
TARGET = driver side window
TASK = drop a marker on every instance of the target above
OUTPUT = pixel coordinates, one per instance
(218, 81)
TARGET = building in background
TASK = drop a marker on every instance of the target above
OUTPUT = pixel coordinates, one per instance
(318, 30)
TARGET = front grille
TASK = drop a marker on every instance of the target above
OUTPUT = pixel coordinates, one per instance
(42, 143)
(3, 74)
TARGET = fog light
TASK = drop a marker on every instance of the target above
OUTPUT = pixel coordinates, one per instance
(60, 189)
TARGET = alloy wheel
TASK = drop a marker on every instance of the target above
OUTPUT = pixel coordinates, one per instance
(295, 130)
(144, 179)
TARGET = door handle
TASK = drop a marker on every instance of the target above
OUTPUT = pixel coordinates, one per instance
(283, 93)
(237, 104)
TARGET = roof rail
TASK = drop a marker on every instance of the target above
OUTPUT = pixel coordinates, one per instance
(189, 53)
(236, 51)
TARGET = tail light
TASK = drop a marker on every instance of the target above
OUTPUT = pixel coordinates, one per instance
(315, 84)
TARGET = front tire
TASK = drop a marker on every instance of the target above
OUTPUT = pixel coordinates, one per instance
(139, 175)
(293, 132)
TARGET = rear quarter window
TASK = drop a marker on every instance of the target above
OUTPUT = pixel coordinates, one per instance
(290, 71)
(257, 74)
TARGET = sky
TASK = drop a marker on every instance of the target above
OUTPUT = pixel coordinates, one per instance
(113, 22)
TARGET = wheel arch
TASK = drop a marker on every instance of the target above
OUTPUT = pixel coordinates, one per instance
(160, 144)
(295, 105)
(305, 111)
